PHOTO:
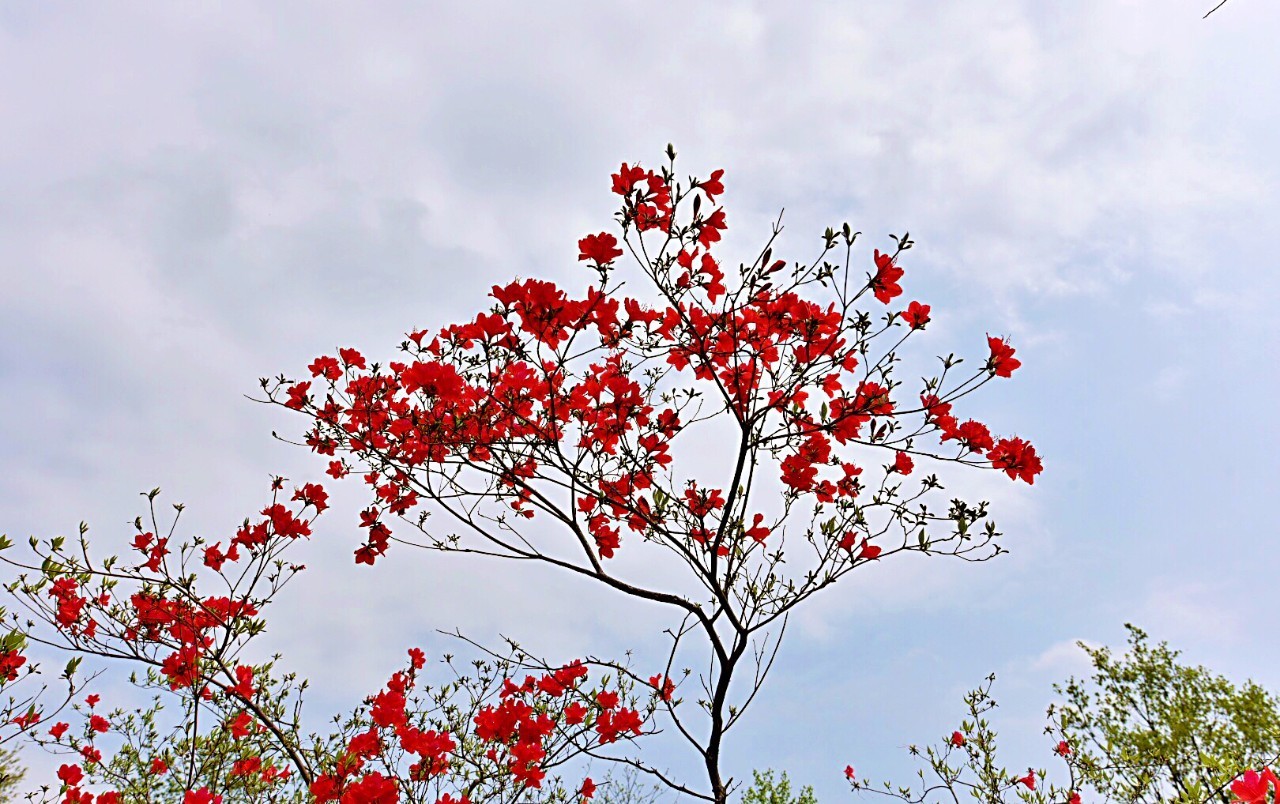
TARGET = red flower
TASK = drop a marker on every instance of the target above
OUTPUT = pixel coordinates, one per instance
(239, 727)
(313, 494)
(710, 229)
(1029, 780)
(757, 532)
(607, 699)
(99, 724)
(1251, 788)
(973, 435)
(70, 775)
(327, 367)
(10, 661)
(244, 682)
(885, 283)
(1063, 749)
(182, 667)
(601, 249)
(159, 767)
(58, 730)
(626, 178)
(848, 772)
(712, 186)
(588, 788)
(869, 551)
(903, 464)
(916, 315)
(1017, 458)
(957, 739)
(611, 724)
(297, 395)
(214, 558)
(1001, 363)
(575, 713)
(352, 358)
(664, 685)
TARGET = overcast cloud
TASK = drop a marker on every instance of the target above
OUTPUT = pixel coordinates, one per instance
(196, 195)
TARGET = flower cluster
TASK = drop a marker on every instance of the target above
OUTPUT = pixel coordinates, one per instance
(588, 391)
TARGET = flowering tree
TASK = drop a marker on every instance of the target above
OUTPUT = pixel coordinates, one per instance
(547, 428)
(487, 734)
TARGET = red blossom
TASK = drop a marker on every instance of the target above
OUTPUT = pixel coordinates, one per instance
(10, 662)
(601, 249)
(70, 775)
(916, 315)
(1016, 458)
(1001, 363)
(352, 358)
(297, 395)
(1252, 787)
(713, 186)
(326, 367)
(884, 285)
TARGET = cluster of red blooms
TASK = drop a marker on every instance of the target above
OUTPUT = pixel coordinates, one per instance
(182, 624)
(520, 733)
(160, 620)
(503, 393)
(528, 713)
(350, 783)
(516, 731)
(72, 774)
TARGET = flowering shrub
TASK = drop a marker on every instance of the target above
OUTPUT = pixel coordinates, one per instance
(547, 428)
(478, 737)
(1142, 728)
(965, 765)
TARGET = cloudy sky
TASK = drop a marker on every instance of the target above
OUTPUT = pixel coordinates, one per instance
(193, 196)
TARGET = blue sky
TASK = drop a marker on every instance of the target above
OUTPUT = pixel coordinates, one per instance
(196, 197)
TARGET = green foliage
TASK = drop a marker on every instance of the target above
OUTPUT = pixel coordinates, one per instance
(765, 790)
(1149, 729)
(11, 773)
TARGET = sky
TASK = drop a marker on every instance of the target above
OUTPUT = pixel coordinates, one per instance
(194, 196)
